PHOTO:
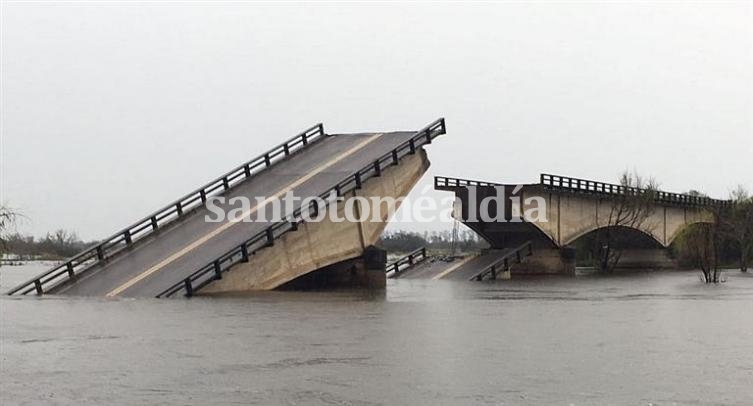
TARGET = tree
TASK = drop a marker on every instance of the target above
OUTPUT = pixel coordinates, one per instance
(402, 241)
(736, 223)
(8, 218)
(630, 208)
(61, 244)
(699, 247)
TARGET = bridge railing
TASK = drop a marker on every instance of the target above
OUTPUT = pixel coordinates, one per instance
(165, 216)
(503, 263)
(444, 182)
(413, 258)
(569, 184)
(241, 253)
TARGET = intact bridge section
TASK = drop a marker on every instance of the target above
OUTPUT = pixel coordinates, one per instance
(556, 212)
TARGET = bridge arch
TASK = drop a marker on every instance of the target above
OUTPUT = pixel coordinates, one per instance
(627, 237)
(679, 230)
(571, 216)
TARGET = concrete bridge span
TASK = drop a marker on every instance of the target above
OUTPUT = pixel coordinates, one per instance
(327, 253)
(176, 251)
(558, 211)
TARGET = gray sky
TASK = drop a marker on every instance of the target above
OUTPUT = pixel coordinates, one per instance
(111, 111)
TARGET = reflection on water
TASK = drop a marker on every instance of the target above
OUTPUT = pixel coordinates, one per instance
(659, 338)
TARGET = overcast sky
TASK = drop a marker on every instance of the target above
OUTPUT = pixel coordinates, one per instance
(111, 111)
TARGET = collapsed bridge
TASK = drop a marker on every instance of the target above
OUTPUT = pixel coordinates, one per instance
(175, 251)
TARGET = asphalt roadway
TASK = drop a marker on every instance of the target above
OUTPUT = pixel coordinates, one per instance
(172, 254)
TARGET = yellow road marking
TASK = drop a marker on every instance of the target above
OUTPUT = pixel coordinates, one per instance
(229, 224)
(454, 267)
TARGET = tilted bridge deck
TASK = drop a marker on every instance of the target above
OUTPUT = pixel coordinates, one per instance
(487, 265)
(175, 250)
(406, 262)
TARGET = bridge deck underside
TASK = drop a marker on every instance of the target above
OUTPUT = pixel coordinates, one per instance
(180, 249)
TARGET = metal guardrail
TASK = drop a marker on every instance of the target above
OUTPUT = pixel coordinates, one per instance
(443, 182)
(404, 263)
(576, 185)
(145, 227)
(503, 263)
(241, 253)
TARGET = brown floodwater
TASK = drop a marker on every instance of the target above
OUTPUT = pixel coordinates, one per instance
(647, 338)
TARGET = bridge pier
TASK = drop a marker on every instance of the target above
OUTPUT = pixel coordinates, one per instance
(364, 272)
(547, 261)
(646, 258)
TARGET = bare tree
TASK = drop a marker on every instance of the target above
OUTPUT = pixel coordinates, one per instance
(8, 217)
(631, 208)
(736, 223)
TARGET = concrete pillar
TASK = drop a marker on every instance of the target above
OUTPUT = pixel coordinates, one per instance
(547, 261)
(364, 272)
(649, 258)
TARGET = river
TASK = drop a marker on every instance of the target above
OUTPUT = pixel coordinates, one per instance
(650, 338)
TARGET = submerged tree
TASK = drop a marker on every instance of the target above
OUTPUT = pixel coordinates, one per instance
(736, 224)
(699, 247)
(630, 208)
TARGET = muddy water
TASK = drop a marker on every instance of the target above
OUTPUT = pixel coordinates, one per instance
(659, 338)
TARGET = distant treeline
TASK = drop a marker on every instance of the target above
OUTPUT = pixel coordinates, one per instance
(56, 245)
(405, 241)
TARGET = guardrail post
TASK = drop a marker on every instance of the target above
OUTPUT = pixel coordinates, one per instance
(494, 272)
(217, 270)
(154, 223)
(100, 253)
(304, 138)
(270, 237)
(225, 183)
(127, 237)
(203, 195)
(267, 160)
(377, 168)
(69, 268)
(38, 287)
(293, 225)
(244, 253)
(428, 136)
(412, 145)
(179, 208)
(314, 208)
(188, 286)
(247, 170)
(395, 159)
(286, 149)
(357, 178)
